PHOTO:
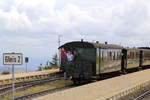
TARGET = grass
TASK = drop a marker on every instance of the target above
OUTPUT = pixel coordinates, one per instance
(30, 79)
(40, 87)
(17, 81)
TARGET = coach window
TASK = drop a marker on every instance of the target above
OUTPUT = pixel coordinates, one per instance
(105, 55)
(102, 55)
(137, 55)
(133, 55)
(118, 55)
(110, 55)
(114, 56)
(130, 55)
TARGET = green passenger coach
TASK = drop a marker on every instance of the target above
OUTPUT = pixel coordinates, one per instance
(84, 60)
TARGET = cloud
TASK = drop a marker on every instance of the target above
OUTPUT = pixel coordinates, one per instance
(32, 26)
(38, 16)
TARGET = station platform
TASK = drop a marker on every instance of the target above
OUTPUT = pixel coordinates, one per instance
(28, 74)
(103, 90)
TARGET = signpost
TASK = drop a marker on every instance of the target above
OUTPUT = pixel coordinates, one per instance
(13, 59)
(26, 61)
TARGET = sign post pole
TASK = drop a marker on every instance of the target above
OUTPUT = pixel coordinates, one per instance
(13, 82)
(26, 68)
(13, 59)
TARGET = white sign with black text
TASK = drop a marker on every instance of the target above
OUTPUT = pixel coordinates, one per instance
(12, 58)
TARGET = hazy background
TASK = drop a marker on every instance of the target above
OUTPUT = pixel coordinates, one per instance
(32, 26)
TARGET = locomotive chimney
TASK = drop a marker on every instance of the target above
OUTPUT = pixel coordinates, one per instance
(97, 42)
(106, 43)
(81, 40)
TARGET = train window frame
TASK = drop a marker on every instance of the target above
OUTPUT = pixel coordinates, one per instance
(110, 55)
(133, 55)
(114, 56)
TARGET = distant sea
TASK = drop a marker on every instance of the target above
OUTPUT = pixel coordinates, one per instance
(34, 63)
(17, 68)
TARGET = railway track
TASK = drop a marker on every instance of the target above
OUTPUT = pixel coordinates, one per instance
(42, 93)
(22, 86)
(144, 95)
(29, 80)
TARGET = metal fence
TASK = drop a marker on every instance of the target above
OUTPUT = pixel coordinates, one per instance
(132, 92)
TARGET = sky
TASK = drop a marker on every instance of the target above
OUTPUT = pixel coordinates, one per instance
(32, 27)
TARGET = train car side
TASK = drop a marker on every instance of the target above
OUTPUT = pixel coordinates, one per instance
(146, 57)
(93, 59)
(133, 58)
(108, 59)
(137, 58)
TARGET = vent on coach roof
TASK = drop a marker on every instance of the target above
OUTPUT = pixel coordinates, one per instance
(106, 42)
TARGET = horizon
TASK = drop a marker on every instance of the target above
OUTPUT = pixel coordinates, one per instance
(34, 27)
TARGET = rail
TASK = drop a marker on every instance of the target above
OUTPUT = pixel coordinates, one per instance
(21, 86)
(131, 93)
(40, 93)
(26, 78)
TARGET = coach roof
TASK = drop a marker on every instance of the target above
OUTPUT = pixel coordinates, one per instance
(81, 44)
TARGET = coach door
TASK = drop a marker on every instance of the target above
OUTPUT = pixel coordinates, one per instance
(124, 60)
(141, 58)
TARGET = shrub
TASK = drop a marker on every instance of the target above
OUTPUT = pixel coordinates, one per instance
(5, 73)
